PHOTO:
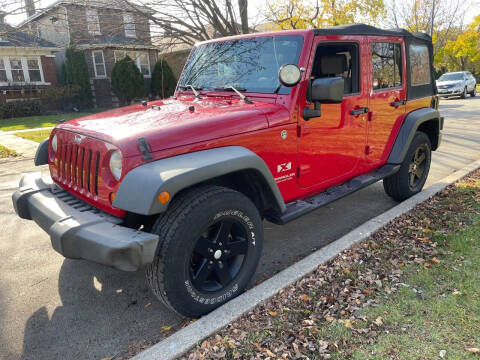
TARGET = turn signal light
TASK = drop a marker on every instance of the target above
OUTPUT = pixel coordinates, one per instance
(163, 197)
(112, 197)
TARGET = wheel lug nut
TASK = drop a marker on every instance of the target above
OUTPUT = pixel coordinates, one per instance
(211, 262)
(220, 244)
(210, 250)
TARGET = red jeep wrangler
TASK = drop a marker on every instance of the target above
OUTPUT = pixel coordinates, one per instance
(262, 126)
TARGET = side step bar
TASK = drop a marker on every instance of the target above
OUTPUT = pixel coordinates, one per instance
(298, 208)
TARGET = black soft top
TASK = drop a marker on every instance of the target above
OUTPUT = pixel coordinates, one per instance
(362, 29)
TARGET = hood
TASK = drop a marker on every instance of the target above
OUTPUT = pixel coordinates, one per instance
(173, 122)
(449, 83)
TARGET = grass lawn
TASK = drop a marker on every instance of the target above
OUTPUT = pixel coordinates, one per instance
(36, 135)
(5, 152)
(33, 122)
(410, 291)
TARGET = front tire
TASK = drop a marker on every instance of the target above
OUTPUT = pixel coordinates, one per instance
(464, 94)
(210, 244)
(413, 172)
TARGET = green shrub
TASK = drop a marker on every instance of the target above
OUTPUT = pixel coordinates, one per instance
(163, 80)
(59, 95)
(127, 81)
(20, 109)
(75, 73)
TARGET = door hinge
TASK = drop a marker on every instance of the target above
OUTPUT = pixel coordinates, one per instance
(368, 151)
(303, 129)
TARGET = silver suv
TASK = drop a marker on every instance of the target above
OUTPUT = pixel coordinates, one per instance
(458, 83)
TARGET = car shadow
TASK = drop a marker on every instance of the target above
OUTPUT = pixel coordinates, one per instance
(102, 311)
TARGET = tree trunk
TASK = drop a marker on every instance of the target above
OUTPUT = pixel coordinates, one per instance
(243, 9)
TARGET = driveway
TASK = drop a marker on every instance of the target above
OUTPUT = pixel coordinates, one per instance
(56, 308)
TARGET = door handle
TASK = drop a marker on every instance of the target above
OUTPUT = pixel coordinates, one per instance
(359, 111)
(398, 103)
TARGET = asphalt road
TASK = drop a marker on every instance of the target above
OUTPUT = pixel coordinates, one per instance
(56, 308)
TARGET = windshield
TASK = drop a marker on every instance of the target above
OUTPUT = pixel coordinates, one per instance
(247, 64)
(451, 77)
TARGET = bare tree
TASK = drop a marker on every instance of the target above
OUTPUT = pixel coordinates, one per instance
(443, 19)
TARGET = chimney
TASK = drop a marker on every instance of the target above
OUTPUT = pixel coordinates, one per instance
(30, 7)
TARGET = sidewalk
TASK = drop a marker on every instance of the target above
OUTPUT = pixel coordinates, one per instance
(23, 147)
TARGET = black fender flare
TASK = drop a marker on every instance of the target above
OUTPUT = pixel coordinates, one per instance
(140, 187)
(410, 125)
(41, 155)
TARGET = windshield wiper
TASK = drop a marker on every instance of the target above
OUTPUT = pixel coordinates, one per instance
(243, 97)
(195, 92)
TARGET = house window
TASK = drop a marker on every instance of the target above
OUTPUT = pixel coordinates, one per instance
(93, 24)
(99, 64)
(139, 58)
(386, 65)
(129, 24)
(17, 70)
(3, 72)
(119, 55)
(143, 63)
(34, 70)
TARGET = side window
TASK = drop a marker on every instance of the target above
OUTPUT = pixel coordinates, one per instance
(386, 65)
(338, 59)
(419, 65)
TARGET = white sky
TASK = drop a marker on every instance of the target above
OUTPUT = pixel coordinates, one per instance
(255, 9)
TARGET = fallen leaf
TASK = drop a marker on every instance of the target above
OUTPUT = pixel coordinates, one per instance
(378, 321)
(269, 353)
(148, 305)
(166, 328)
(329, 318)
(347, 324)
(442, 353)
(304, 297)
(473, 350)
(435, 260)
(272, 313)
(426, 265)
(346, 271)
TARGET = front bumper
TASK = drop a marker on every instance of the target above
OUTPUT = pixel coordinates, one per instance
(444, 93)
(80, 231)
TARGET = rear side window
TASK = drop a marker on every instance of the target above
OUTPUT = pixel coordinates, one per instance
(419, 65)
(386, 65)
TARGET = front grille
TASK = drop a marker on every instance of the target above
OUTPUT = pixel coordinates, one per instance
(78, 166)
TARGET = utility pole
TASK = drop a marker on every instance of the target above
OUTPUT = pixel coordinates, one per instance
(433, 16)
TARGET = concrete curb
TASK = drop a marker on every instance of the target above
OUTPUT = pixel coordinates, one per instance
(184, 339)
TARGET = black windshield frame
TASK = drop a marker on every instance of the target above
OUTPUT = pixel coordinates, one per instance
(250, 64)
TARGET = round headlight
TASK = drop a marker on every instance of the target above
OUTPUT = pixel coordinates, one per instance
(54, 143)
(289, 74)
(116, 164)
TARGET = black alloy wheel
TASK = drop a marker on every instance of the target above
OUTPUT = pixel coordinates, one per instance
(416, 169)
(218, 255)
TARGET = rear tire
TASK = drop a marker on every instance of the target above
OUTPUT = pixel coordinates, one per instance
(413, 172)
(474, 91)
(210, 244)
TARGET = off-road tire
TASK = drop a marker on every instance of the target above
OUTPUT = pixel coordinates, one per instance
(464, 93)
(474, 91)
(398, 186)
(182, 228)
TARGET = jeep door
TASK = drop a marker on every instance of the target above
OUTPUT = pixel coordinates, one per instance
(387, 95)
(332, 145)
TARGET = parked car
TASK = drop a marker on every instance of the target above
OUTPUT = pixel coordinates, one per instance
(261, 126)
(458, 83)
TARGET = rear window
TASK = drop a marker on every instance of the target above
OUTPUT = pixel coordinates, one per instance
(419, 65)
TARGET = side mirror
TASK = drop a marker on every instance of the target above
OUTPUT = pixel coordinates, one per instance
(327, 90)
(323, 91)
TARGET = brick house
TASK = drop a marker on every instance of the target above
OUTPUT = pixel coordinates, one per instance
(27, 64)
(106, 31)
